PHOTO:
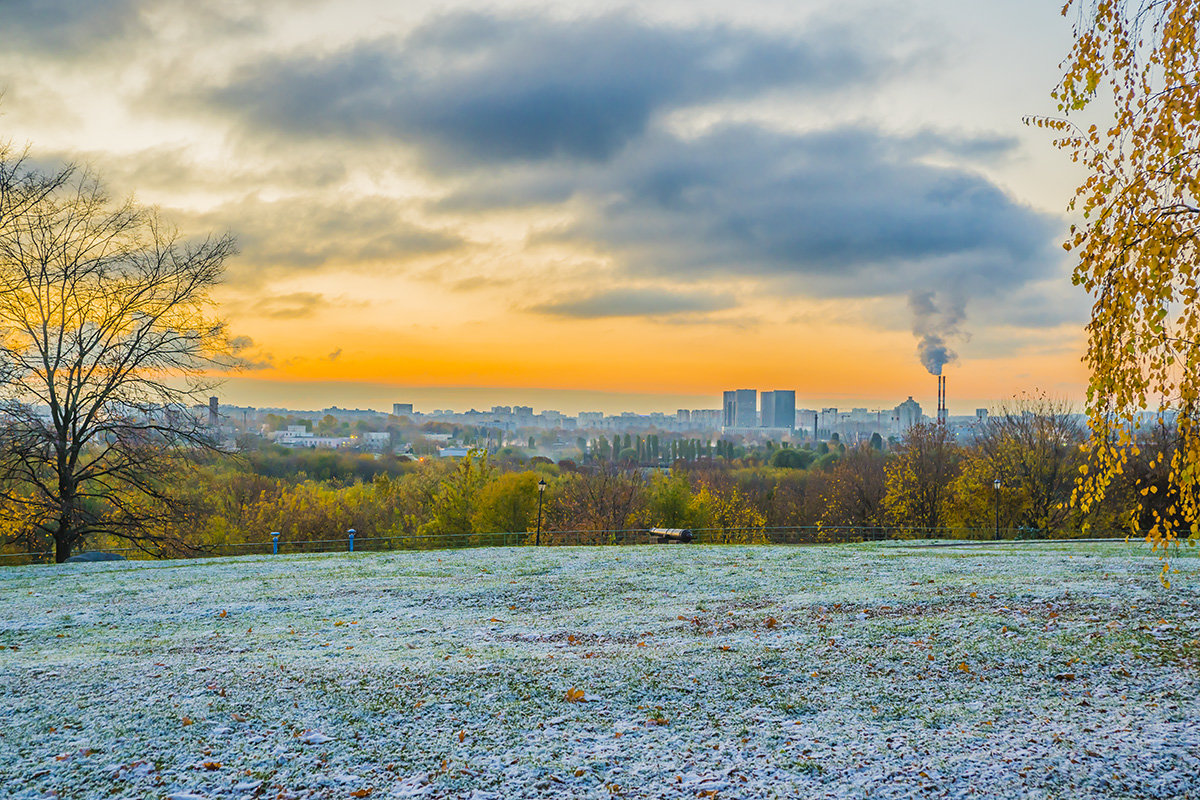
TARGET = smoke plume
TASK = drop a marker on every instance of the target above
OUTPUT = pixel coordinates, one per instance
(934, 321)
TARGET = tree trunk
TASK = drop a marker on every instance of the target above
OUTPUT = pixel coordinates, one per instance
(62, 548)
(64, 537)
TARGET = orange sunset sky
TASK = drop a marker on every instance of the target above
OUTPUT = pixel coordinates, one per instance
(624, 208)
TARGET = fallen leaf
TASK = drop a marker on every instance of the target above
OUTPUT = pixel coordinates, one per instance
(186, 721)
(222, 614)
(210, 765)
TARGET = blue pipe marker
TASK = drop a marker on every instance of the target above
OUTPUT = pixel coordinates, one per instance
(275, 543)
(351, 532)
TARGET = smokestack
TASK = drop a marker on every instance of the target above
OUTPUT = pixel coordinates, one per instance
(941, 407)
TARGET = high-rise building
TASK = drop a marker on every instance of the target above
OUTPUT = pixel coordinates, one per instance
(741, 408)
(779, 409)
(402, 409)
(214, 412)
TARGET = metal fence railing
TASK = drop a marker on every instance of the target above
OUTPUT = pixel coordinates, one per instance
(796, 535)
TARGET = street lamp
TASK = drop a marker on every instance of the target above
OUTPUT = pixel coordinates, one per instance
(541, 494)
(996, 487)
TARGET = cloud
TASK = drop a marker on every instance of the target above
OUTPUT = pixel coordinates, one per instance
(844, 212)
(296, 305)
(67, 27)
(307, 232)
(99, 30)
(630, 302)
(240, 343)
(473, 88)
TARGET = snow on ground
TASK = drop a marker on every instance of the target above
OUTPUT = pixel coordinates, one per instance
(884, 670)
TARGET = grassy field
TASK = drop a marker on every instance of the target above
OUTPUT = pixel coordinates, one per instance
(1045, 670)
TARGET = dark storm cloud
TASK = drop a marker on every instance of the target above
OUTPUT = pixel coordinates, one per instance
(476, 88)
(636, 303)
(845, 212)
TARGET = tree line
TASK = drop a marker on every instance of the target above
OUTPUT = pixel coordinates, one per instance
(1017, 477)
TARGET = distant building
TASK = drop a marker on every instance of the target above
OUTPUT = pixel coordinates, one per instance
(981, 415)
(214, 412)
(741, 408)
(908, 414)
(591, 419)
(779, 409)
(402, 409)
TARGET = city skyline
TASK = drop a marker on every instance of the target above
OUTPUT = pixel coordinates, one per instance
(383, 400)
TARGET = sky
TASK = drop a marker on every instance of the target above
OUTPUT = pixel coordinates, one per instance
(598, 206)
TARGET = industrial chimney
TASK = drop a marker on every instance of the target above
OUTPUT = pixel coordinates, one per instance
(941, 407)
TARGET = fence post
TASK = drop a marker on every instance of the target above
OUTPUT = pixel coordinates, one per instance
(275, 543)
(351, 532)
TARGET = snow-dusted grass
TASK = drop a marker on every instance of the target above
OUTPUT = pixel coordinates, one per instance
(1048, 670)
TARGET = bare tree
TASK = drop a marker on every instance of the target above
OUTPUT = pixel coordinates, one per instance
(107, 338)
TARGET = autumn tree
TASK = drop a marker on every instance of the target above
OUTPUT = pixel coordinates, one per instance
(1032, 445)
(919, 476)
(107, 336)
(670, 503)
(507, 504)
(855, 489)
(604, 501)
(456, 499)
(1137, 247)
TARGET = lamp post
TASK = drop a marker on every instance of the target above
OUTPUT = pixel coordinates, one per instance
(996, 494)
(541, 494)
